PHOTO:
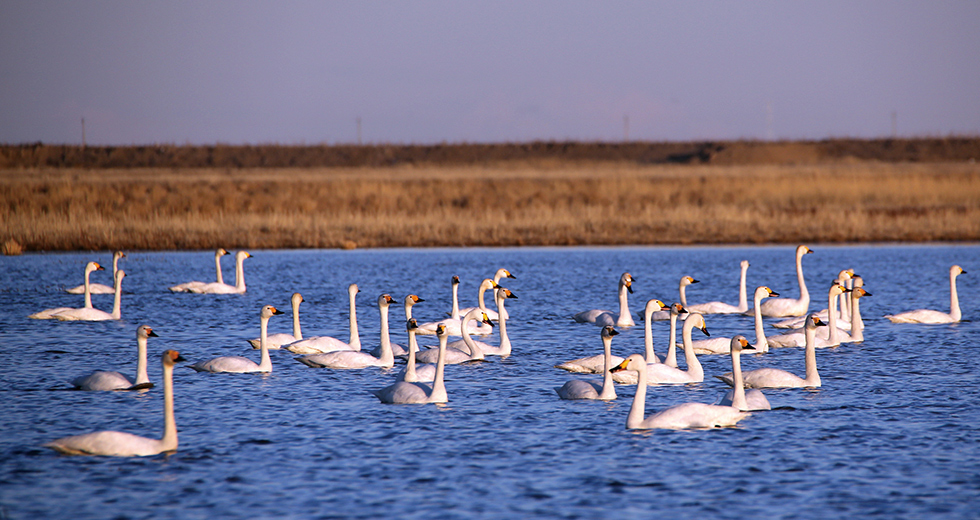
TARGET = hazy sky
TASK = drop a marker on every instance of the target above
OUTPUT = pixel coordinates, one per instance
(202, 72)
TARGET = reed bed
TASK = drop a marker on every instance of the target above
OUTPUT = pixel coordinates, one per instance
(544, 202)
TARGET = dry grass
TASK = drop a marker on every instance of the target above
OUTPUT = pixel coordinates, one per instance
(547, 202)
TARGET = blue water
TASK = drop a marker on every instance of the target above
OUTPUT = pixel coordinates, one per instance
(893, 433)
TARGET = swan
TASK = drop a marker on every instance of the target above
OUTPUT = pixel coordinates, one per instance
(238, 364)
(834, 335)
(352, 359)
(321, 344)
(107, 380)
(99, 288)
(931, 316)
(405, 392)
(384, 342)
(628, 376)
(223, 288)
(279, 339)
(579, 389)
(761, 343)
(724, 308)
(597, 364)
(119, 444)
(473, 349)
(661, 373)
(410, 374)
(857, 325)
(722, 345)
(49, 313)
(676, 309)
(603, 318)
(782, 307)
(187, 286)
(396, 349)
(776, 378)
(500, 275)
(856, 282)
(504, 348)
(737, 397)
(682, 290)
(843, 278)
(484, 285)
(90, 314)
(682, 416)
(454, 321)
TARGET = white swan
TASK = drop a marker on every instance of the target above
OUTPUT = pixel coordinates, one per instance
(352, 359)
(776, 378)
(500, 275)
(238, 364)
(603, 318)
(404, 392)
(49, 313)
(105, 380)
(91, 314)
(857, 325)
(931, 316)
(455, 355)
(737, 397)
(99, 288)
(682, 416)
(834, 334)
(187, 286)
(579, 389)
(722, 345)
(454, 322)
(856, 282)
(281, 338)
(629, 377)
(597, 364)
(223, 288)
(410, 374)
(504, 348)
(761, 343)
(722, 307)
(484, 286)
(676, 309)
(661, 373)
(682, 290)
(322, 344)
(119, 444)
(782, 307)
(396, 349)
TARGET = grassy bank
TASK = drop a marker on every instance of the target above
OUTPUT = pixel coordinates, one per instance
(520, 202)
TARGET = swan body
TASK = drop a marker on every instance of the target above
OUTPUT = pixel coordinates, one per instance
(223, 288)
(783, 307)
(99, 288)
(931, 316)
(737, 397)
(579, 389)
(352, 359)
(279, 339)
(187, 286)
(322, 344)
(661, 373)
(484, 285)
(91, 314)
(406, 392)
(629, 377)
(239, 364)
(725, 308)
(604, 318)
(776, 378)
(49, 313)
(104, 380)
(682, 416)
(682, 290)
(453, 356)
(120, 444)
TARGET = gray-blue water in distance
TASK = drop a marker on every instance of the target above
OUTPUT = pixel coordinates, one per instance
(893, 433)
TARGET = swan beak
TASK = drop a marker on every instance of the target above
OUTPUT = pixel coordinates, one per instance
(509, 294)
(704, 329)
(152, 334)
(620, 367)
(487, 320)
(179, 359)
(510, 275)
(663, 306)
(629, 287)
(412, 324)
(695, 281)
(455, 280)
(276, 311)
(681, 309)
(417, 299)
(772, 293)
(865, 293)
(99, 268)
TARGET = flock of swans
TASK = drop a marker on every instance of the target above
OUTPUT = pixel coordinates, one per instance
(423, 378)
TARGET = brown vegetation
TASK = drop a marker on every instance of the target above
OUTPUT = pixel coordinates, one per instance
(750, 193)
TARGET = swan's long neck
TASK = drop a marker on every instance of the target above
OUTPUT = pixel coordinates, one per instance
(761, 343)
(812, 377)
(682, 289)
(455, 314)
(650, 355)
(115, 264)
(625, 319)
(845, 301)
(608, 387)
(738, 399)
(408, 309)
(671, 359)
(954, 300)
(355, 339)
(297, 331)
(88, 290)
(482, 291)
(141, 375)
(502, 325)
(438, 394)
(117, 300)
(387, 356)
(638, 408)
(832, 335)
(804, 293)
(857, 326)
(217, 268)
(475, 351)
(693, 365)
(743, 297)
(240, 273)
(265, 365)
(169, 440)
(410, 376)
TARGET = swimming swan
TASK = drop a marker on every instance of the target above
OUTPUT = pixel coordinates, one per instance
(834, 334)
(579, 389)
(105, 380)
(281, 338)
(466, 350)
(500, 275)
(99, 288)
(603, 318)
(410, 374)
(322, 344)
(90, 314)
(662, 373)
(676, 309)
(484, 285)
(223, 288)
(761, 343)
(49, 313)
(722, 307)
(682, 290)
(776, 378)
(396, 349)
(722, 345)
(454, 321)
(737, 397)
(682, 416)
(629, 377)
(352, 359)
(405, 392)
(504, 348)
(187, 286)
(931, 316)
(783, 307)
(119, 444)
(238, 364)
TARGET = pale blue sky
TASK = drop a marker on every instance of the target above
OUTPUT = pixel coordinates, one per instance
(421, 72)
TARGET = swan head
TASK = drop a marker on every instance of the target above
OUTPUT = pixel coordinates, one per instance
(441, 331)
(505, 273)
(956, 270)
(506, 293)
(608, 332)
(655, 305)
(634, 362)
(170, 357)
(118, 254)
(677, 309)
(352, 289)
(837, 289)
(688, 280)
(455, 280)
(803, 250)
(296, 299)
(412, 299)
(627, 281)
(488, 284)
(411, 325)
(93, 266)
(221, 252)
(858, 281)
(764, 292)
(385, 300)
(486, 319)
(242, 255)
(740, 343)
(744, 264)
(813, 321)
(858, 292)
(696, 321)
(268, 311)
(145, 331)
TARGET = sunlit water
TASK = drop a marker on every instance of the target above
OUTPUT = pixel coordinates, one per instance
(894, 432)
